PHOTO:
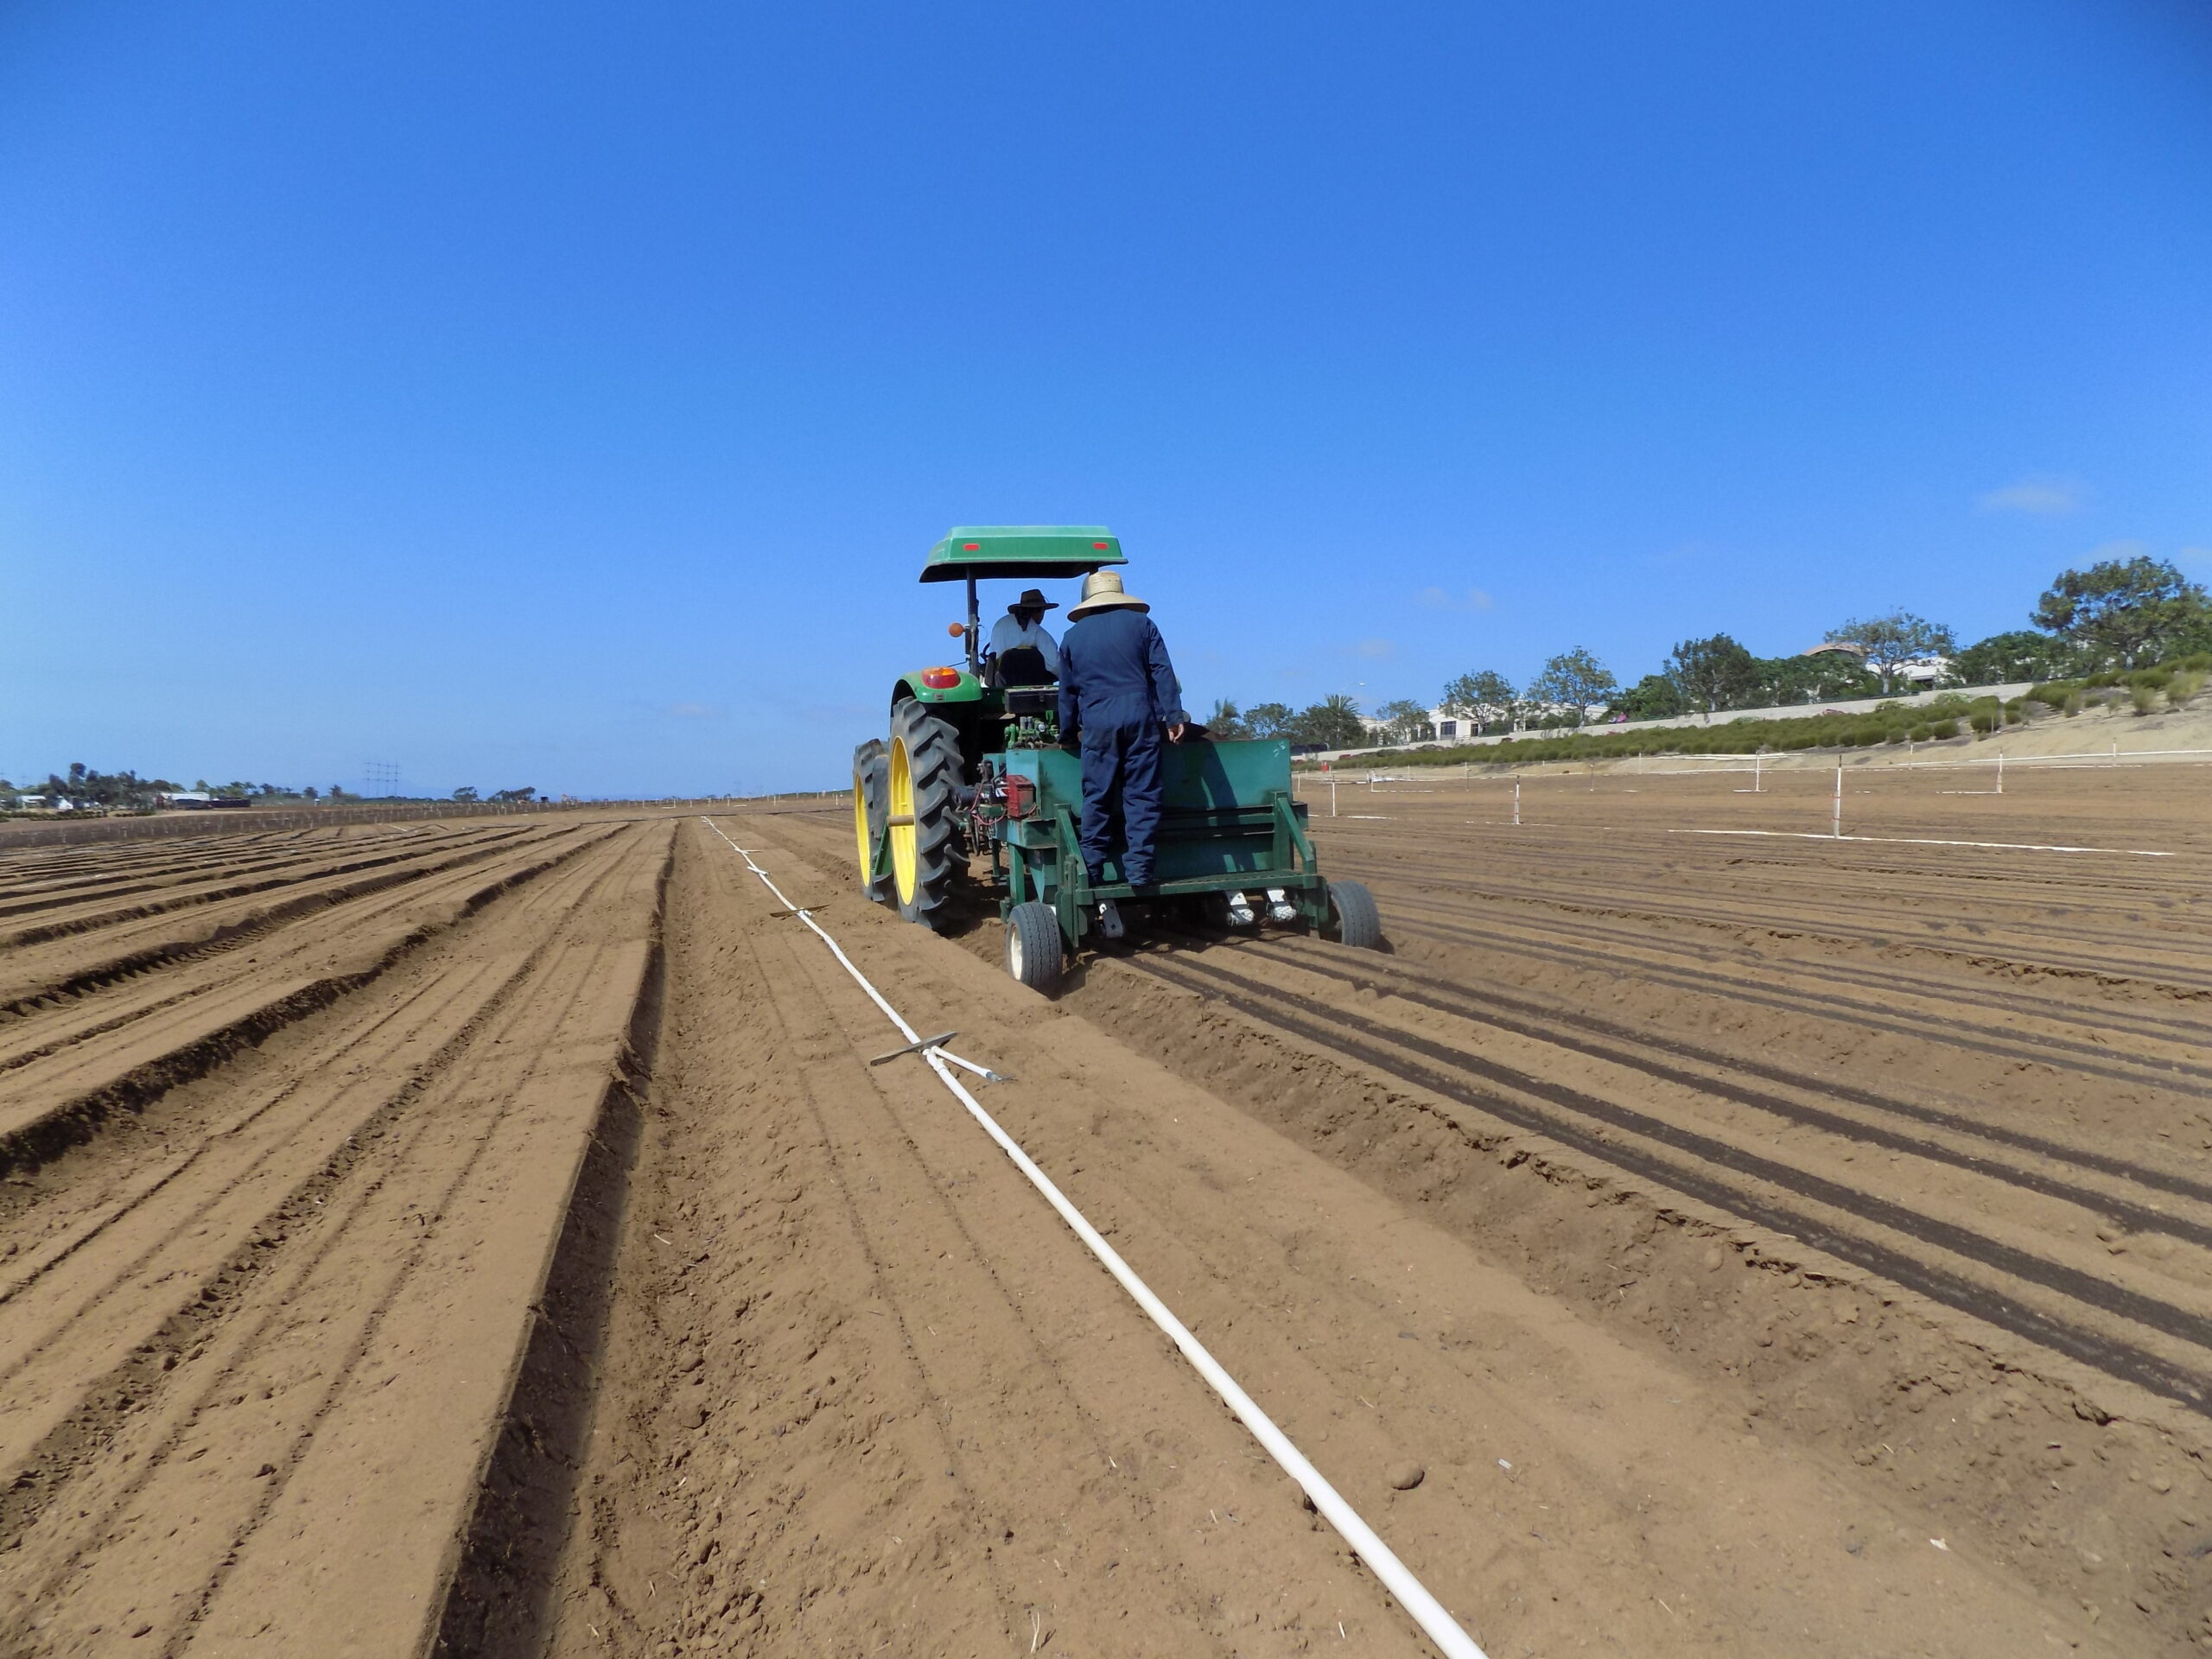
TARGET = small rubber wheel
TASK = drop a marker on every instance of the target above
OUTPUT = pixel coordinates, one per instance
(1353, 920)
(1034, 952)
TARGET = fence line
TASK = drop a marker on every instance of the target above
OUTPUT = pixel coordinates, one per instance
(2086, 760)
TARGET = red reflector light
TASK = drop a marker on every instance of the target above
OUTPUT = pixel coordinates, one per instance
(940, 679)
(1020, 796)
(971, 547)
(1104, 546)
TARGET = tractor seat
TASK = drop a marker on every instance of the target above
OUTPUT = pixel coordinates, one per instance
(1023, 665)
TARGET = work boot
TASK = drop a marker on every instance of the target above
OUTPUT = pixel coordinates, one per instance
(1109, 919)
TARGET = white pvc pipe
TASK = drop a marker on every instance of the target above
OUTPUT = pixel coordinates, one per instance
(1837, 831)
(1430, 1614)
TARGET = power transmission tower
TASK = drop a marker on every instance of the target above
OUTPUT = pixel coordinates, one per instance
(380, 779)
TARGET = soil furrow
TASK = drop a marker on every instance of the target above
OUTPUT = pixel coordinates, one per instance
(2087, 1059)
(342, 1332)
(66, 1095)
(1528, 1019)
(2190, 1384)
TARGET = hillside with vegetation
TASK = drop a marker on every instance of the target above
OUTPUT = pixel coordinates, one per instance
(2135, 629)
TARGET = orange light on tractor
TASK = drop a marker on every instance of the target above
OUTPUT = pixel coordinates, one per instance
(956, 629)
(940, 679)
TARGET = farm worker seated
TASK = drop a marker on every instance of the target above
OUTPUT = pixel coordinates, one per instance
(1119, 691)
(1022, 628)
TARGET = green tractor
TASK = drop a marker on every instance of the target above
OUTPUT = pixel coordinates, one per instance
(974, 770)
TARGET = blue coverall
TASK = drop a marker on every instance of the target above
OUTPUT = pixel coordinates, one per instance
(1119, 690)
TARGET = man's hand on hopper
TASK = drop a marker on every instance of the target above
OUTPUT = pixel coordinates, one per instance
(1175, 733)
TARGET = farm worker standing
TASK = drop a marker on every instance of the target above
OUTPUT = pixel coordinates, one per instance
(1022, 628)
(1118, 688)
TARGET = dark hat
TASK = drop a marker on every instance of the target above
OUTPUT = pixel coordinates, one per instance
(1033, 599)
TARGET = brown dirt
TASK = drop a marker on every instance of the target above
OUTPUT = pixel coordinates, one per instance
(492, 1238)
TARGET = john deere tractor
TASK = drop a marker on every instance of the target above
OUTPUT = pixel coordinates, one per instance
(975, 768)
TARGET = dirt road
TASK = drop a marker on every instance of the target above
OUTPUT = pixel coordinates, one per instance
(494, 1239)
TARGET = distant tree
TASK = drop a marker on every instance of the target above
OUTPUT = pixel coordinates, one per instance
(1227, 720)
(1270, 719)
(90, 786)
(309, 792)
(337, 792)
(1405, 721)
(1829, 677)
(1891, 641)
(1485, 697)
(1333, 723)
(2005, 658)
(1656, 696)
(2126, 614)
(466, 792)
(1576, 679)
(526, 792)
(1713, 673)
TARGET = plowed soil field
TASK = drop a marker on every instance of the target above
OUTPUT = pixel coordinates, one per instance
(495, 1238)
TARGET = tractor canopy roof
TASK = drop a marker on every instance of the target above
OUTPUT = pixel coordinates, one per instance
(1021, 551)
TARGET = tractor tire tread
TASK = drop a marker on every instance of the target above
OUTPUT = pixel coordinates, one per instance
(872, 781)
(1353, 918)
(933, 765)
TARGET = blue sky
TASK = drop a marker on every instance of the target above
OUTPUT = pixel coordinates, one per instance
(566, 395)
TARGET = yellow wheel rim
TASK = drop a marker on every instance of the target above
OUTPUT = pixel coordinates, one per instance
(860, 825)
(902, 833)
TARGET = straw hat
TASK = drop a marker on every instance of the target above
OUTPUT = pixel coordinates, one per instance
(1101, 591)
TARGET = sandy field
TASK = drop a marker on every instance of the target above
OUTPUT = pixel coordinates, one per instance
(1695, 1234)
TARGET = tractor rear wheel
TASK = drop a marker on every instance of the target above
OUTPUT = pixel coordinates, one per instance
(871, 806)
(1353, 920)
(926, 850)
(1035, 953)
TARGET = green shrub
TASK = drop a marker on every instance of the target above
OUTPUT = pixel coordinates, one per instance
(2098, 681)
(2073, 703)
(1985, 719)
(1895, 734)
(1921, 732)
(2145, 697)
(2185, 685)
(2055, 694)
(2154, 679)
(2196, 663)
